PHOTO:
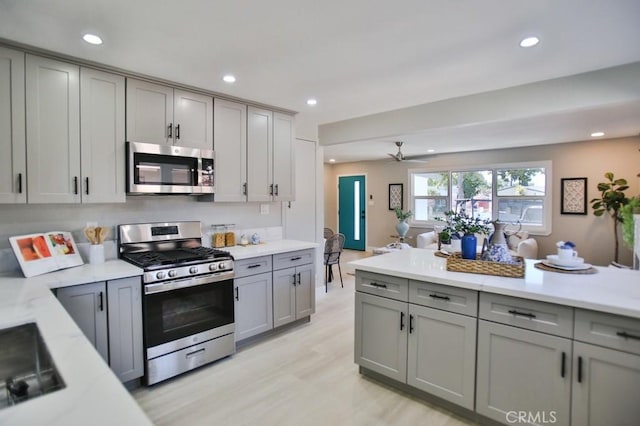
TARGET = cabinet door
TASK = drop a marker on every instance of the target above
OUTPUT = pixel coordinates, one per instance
(193, 119)
(125, 328)
(230, 145)
(13, 161)
(253, 305)
(381, 326)
(259, 154)
(102, 137)
(305, 291)
(86, 304)
(149, 112)
(53, 131)
(283, 155)
(284, 296)
(606, 385)
(522, 370)
(442, 353)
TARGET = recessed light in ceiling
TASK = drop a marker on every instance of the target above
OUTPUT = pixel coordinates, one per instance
(229, 78)
(431, 150)
(311, 102)
(332, 160)
(529, 42)
(92, 39)
(597, 134)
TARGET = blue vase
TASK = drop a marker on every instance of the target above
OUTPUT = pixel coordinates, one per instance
(469, 246)
(402, 227)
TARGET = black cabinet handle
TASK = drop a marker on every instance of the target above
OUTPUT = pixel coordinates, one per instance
(170, 130)
(75, 185)
(86, 185)
(401, 321)
(271, 189)
(299, 279)
(294, 279)
(237, 294)
(410, 324)
(293, 259)
(579, 369)
(276, 189)
(437, 296)
(177, 131)
(563, 366)
(244, 188)
(627, 335)
(253, 266)
(378, 285)
(522, 314)
(100, 302)
(19, 183)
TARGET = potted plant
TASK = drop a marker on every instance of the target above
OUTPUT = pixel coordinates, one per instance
(465, 227)
(626, 213)
(402, 227)
(612, 199)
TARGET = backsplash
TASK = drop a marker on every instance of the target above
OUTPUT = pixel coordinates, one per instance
(26, 219)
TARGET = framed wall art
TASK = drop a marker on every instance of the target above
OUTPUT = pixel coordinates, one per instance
(395, 195)
(573, 196)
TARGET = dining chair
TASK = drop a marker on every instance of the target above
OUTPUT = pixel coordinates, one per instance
(328, 232)
(332, 250)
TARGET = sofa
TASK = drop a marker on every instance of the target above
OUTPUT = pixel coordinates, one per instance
(520, 244)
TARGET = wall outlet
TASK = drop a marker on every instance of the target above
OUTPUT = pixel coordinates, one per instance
(264, 208)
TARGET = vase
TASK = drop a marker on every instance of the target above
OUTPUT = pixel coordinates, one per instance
(402, 227)
(468, 246)
(497, 249)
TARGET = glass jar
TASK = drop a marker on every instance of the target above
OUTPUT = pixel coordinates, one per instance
(229, 235)
(218, 238)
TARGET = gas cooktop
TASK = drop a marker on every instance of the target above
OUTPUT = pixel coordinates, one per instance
(175, 257)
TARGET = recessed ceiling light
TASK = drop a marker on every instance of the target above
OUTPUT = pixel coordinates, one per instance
(597, 134)
(92, 39)
(229, 78)
(529, 41)
(332, 160)
(431, 150)
(311, 102)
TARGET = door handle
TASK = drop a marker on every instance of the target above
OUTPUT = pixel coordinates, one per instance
(362, 215)
(19, 183)
(86, 184)
(410, 324)
(237, 294)
(170, 130)
(563, 367)
(100, 302)
(75, 185)
(579, 369)
(299, 279)
(401, 321)
(294, 279)
(276, 190)
(177, 131)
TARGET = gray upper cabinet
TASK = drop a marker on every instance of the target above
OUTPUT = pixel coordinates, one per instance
(230, 145)
(259, 154)
(161, 115)
(102, 137)
(522, 370)
(13, 161)
(86, 304)
(53, 130)
(283, 155)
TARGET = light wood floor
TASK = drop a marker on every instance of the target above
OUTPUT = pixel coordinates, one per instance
(305, 376)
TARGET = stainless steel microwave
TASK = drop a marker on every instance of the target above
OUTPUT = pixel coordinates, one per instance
(169, 169)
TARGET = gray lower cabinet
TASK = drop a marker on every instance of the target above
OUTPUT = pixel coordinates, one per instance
(293, 294)
(110, 316)
(381, 335)
(522, 371)
(442, 351)
(253, 305)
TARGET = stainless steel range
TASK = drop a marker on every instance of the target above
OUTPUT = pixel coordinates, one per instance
(188, 315)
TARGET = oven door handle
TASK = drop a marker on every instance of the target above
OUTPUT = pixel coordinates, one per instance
(187, 282)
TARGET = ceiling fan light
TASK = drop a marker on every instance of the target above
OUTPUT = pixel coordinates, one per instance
(529, 42)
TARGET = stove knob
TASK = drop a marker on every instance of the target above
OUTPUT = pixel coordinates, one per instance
(213, 266)
(222, 265)
(172, 273)
(160, 275)
(193, 270)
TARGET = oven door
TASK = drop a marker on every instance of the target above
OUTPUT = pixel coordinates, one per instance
(181, 313)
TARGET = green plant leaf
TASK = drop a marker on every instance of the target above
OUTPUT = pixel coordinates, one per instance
(603, 187)
(609, 175)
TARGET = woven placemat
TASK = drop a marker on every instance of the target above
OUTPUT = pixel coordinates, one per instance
(544, 267)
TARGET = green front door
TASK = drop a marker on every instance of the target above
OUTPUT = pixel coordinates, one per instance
(351, 211)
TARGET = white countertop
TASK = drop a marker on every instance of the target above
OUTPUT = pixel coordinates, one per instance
(610, 290)
(93, 394)
(268, 248)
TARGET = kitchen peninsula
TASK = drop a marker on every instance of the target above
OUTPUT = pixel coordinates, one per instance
(547, 346)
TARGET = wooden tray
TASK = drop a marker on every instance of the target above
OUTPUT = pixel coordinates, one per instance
(456, 263)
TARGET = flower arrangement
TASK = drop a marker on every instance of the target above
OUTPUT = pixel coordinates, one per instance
(402, 215)
(458, 224)
(565, 245)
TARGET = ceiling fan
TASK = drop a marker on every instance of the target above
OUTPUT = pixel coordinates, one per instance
(399, 156)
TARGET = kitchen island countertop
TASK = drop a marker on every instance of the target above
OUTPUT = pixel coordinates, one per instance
(610, 290)
(93, 394)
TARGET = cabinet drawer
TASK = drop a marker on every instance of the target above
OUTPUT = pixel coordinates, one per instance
(293, 258)
(383, 285)
(530, 314)
(252, 266)
(452, 299)
(611, 331)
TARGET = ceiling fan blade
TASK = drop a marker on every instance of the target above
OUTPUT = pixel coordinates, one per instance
(394, 156)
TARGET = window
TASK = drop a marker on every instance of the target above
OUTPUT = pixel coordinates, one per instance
(513, 193)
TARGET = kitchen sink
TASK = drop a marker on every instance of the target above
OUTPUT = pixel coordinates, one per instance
(26, 368)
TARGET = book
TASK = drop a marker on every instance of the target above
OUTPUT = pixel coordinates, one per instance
(45, 252)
